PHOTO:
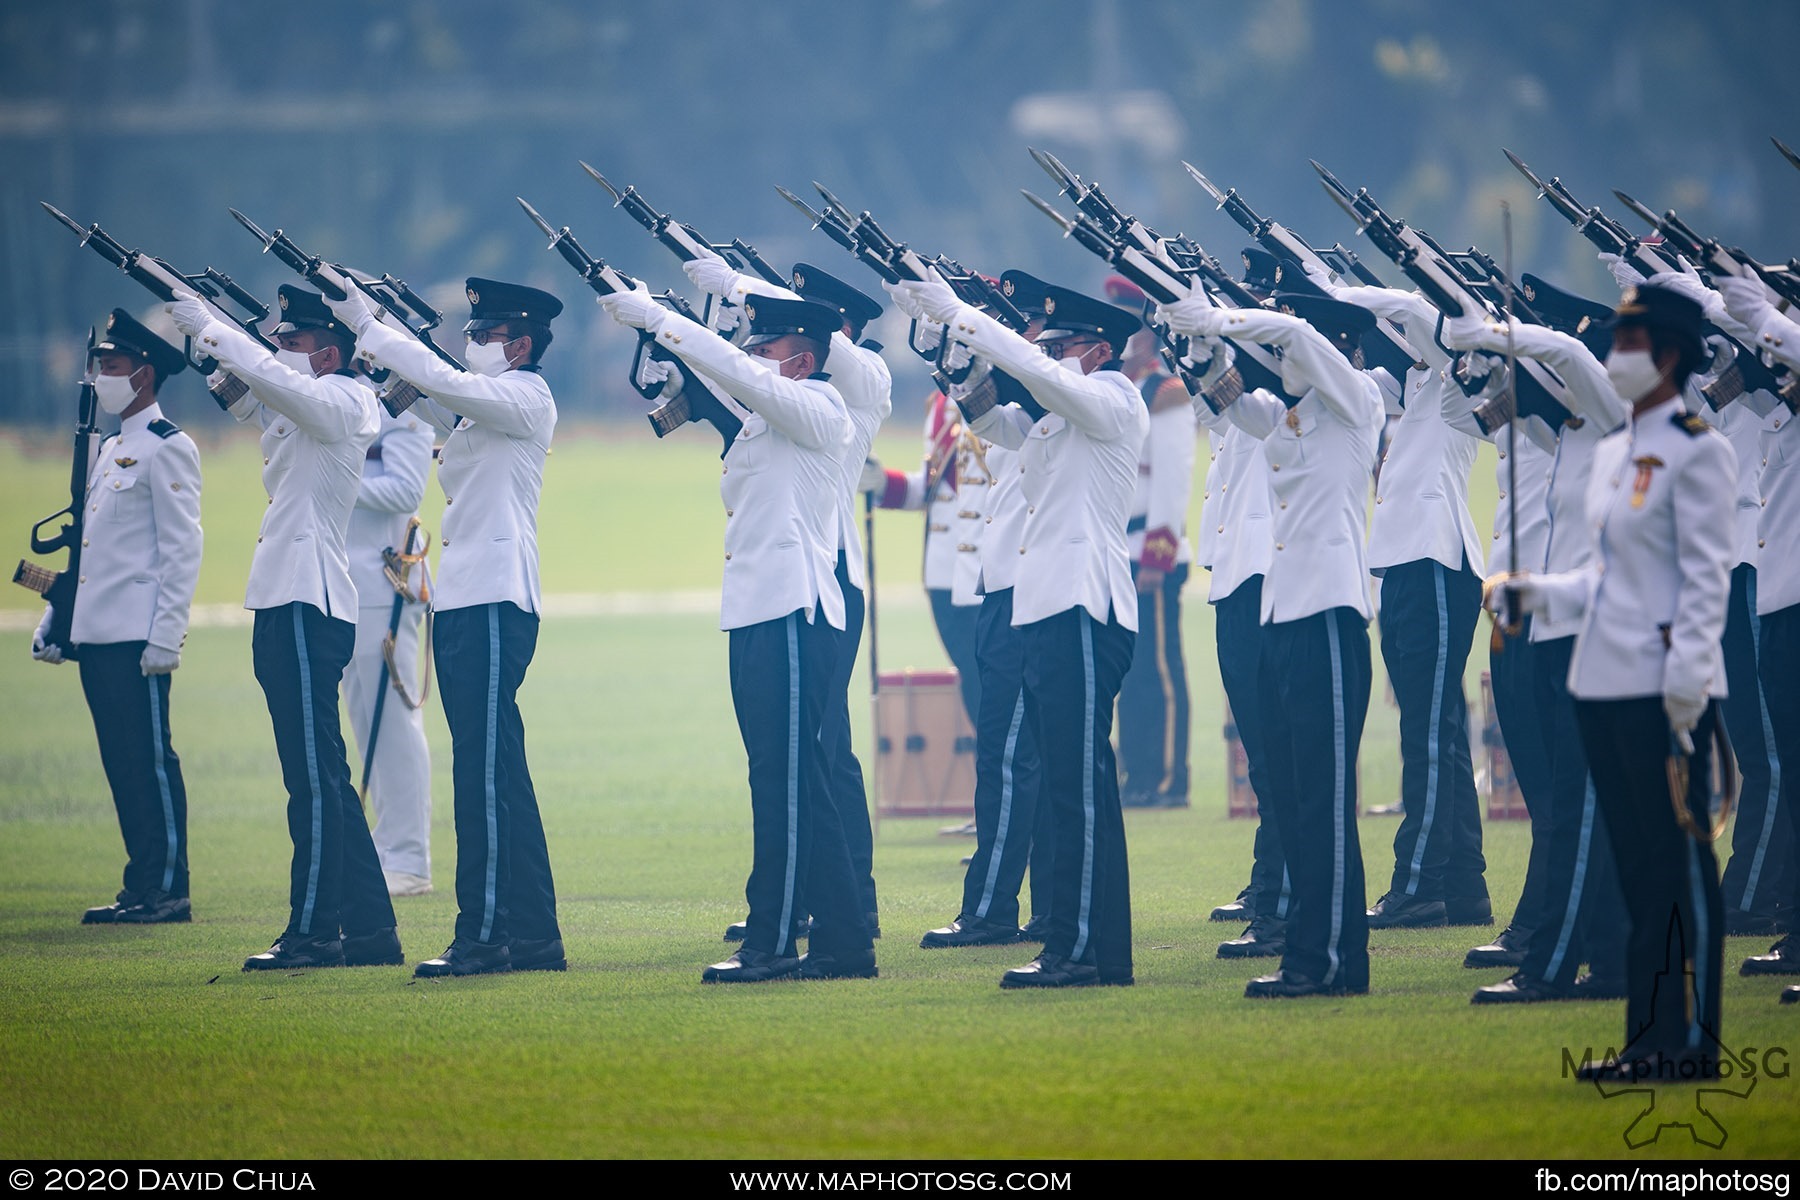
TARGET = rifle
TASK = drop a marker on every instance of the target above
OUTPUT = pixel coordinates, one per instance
(686, 242)
(1167, 269)
(1536, 390)
(1390, 349)
(392, 296)
(1708, 254)
(213, 288)
(1786, 152)
(58, 587)
(695, 401)
(894, 261)
(1610, 237)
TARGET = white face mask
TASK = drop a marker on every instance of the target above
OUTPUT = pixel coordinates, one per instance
(296, 360)
(115, 392)
(489, 360)
(1072, 361)
(1633, 374)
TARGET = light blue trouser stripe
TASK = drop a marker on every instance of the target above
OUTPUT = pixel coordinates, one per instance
(490, 896)
(1773, 801)
(162, 783)
(1576, 883)
(312, 774)
(1006, 798)
(1087, 787)
(785, 930)
(1431, 746)
(1697, 952)
(1340, 774)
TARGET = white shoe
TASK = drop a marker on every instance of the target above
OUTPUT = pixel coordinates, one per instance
(399, 883)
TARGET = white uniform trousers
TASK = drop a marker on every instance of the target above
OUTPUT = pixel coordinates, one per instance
(400, 783)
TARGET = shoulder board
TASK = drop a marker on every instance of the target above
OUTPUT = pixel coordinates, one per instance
(162, 427)
(870, 344)
(1692, 424)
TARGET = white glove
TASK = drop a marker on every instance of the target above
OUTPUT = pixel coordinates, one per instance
(51, 653)
(927, 335)
(711, 273)
(1745, 298)
(353, 310)
(652, 371)
(1529, 594)
(1471, 331)
(929, 298)
(727, 317)
(1320, 274)
(873, 477)
(190, 316)
(1218, 356)
(635, 309)
(957, 357)
(1196, 316)
(1623, 273)
(158, 661)
(1684, 713)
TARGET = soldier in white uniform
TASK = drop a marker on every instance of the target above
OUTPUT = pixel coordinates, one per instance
(1777, 336)
(949, 451)
(140, 559)
(318, 419)
(1073, 599)
(1424, 549)
(1153, 699)
(1314, 671)
(501, 416)
(1583, 917)
(862, 379)
(1646, 671)
(781, 603)
(1012, 830)
(398, 776)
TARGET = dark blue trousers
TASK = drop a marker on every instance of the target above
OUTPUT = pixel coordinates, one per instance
(1514, 673)
(1670, 879)
(1315, 678)
(1008, 774)
(504, 889)
(1428, 618)
(800, 860)
(131, 721)
(1778, 668)
(842, 770)
(1761, 841)
(1153, 699)
(1073, 665)
(1237, 625)
(335, 885)
(956, 628)
(1584, 914)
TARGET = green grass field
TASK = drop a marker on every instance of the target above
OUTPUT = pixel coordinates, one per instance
(149, 1042)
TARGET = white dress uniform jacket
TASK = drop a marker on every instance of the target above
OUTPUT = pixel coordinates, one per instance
(1652, 603)
(395, 468)
(1078, 467)
(1532, 470)
(140, 537)
(1778, 530)
(933, 487)
(315, 434)
(1236, 509)
(861, 377)
(1320, 453)
(491, 470)
(780, 482)
(1422, 496)
(975, 485)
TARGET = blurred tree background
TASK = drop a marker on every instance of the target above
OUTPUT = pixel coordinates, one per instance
(393, 135)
